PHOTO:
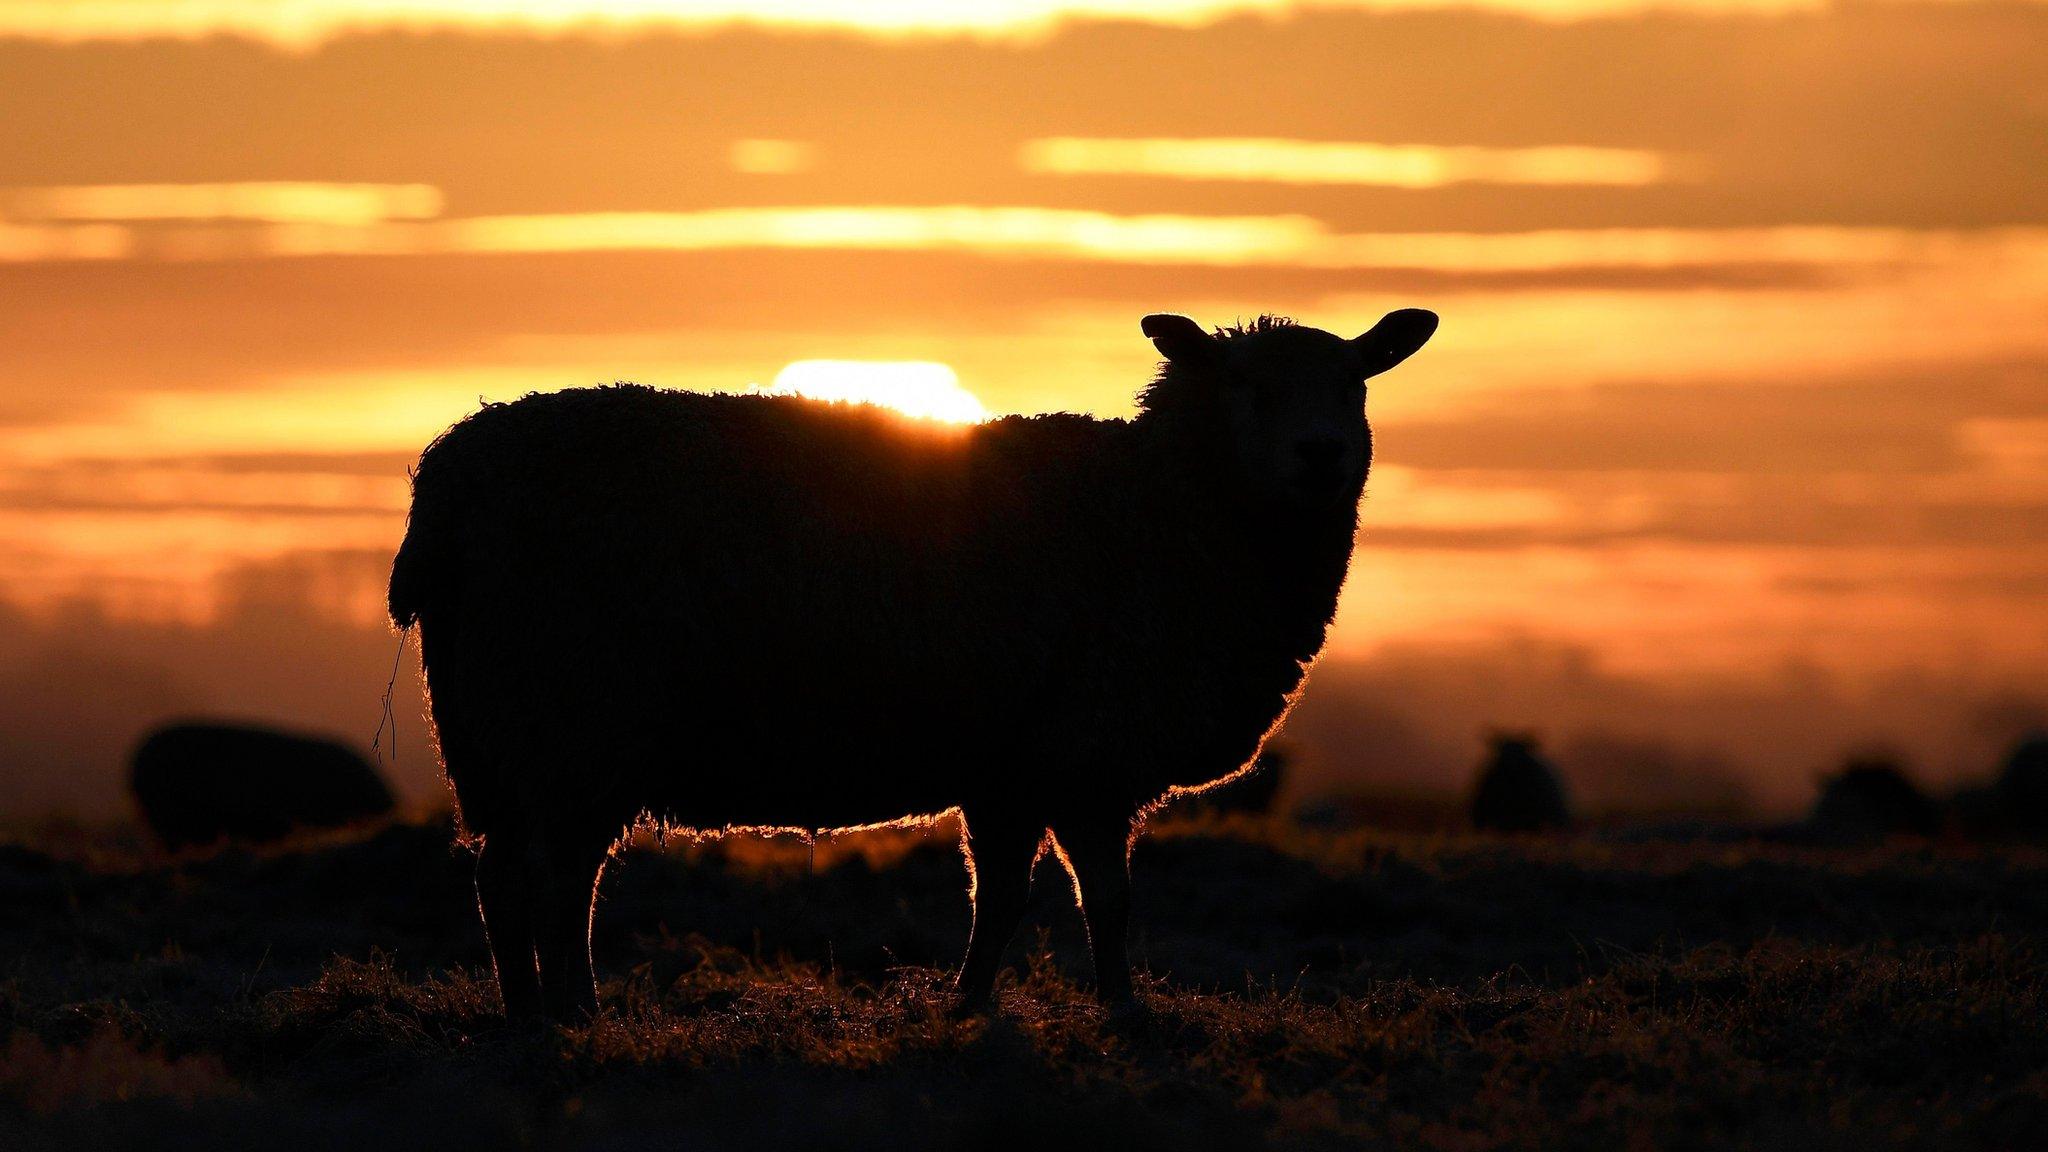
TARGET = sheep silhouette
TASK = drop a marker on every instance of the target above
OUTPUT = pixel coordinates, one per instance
(711, 611)
(2023, 787)
(2011, 806)
(1872, 798)
(1518, 789)
(196, 783)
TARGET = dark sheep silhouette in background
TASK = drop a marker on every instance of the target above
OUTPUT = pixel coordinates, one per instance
(2023, 787)
(196, 783)
(703, 609)
(1518, 789)
(1976, 814)
(1870, 799)
(2012, 806)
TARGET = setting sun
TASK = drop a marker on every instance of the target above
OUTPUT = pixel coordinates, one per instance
(918, 388)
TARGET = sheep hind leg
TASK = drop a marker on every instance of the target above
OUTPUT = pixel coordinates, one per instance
(1098, 852)
(566, 875)
(999, 856)
(504, 897)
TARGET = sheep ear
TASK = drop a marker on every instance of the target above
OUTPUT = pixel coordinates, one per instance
(1178, 338)
(1395, 338)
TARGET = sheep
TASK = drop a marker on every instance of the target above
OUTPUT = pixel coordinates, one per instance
(628, 598)
(2023, 787)
(1871, 798)
(2013, 805)
(1518, 789)
(195, 783)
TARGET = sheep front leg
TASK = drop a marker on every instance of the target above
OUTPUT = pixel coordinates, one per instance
(999, 858)
(1098, 852)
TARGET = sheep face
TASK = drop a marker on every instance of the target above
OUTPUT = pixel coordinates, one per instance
(1296, 403)
(1291, 398)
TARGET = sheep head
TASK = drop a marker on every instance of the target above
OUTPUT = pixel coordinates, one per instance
(1289, 401)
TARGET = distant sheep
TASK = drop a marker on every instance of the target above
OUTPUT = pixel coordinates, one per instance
(730, 613)
(2023, 787)
(1518, 790)
(198, 783)
(2014, 805)
(1870, 799)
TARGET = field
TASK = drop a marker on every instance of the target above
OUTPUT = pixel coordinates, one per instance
(1306, 988)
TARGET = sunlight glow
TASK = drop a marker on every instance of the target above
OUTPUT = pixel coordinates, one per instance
(42, 243)
(919, 388)
(1405, 498)
(772, 157)
(307, 23)
(1032, 233)
(1268, 159)
(269, 201)
(1021, 231)
(197, 484)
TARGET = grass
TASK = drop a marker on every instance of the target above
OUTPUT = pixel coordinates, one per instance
(1306, 989)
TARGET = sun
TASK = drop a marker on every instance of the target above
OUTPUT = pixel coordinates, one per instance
(922, 388)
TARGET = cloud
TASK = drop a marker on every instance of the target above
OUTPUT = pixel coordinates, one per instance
(1416, 715)
(1860, 114)
(1859, 460)
(312, 483)
(313, 22)
(1885, 425)
(1277, 160)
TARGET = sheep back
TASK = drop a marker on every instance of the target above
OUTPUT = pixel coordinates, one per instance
(748, 611)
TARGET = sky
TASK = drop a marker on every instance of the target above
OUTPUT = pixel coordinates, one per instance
(1730, 458)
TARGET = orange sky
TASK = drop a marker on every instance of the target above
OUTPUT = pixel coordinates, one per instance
(1739, 394)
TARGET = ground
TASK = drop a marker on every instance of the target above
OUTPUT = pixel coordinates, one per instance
(1306, 988)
